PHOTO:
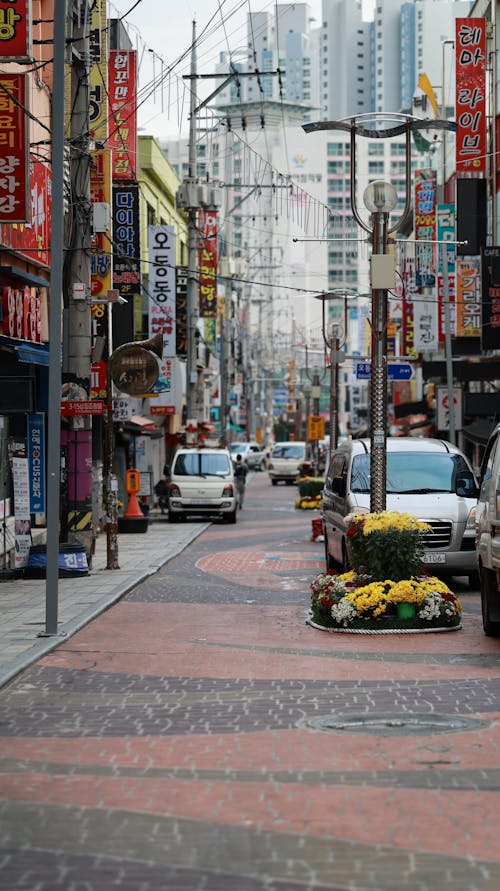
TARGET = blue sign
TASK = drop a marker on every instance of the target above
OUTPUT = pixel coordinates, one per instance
(401, 371)
(36, 462)
(280, 396)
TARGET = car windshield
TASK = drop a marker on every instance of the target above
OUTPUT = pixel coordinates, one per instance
(201, 464)
(236, 447)
(413, 472)
(288, 451)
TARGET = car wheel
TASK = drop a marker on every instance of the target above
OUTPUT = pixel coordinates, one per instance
(474, 579)
(490, 602)
(330, 563)
(274, 482)
(230, 518)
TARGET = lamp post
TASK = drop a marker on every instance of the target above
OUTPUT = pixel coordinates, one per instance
(379, 198)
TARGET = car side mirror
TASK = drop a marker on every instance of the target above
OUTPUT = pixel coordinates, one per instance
(339, 486)
(166, 470)
(466, 487)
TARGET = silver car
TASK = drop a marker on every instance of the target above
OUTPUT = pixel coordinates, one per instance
(429, 478)
(251, 454)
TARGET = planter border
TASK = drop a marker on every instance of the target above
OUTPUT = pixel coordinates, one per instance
(347, 630)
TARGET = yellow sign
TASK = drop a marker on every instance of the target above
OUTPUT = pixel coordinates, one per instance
(315, 427)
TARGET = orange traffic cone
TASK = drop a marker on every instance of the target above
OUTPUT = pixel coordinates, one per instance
(133, 507)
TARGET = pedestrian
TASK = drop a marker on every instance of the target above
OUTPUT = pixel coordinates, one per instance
(240, 478)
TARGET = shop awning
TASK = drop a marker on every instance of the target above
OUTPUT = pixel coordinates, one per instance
(19, 276)
(144, 423)
(141, 426)
(479, 431)
(37, 354)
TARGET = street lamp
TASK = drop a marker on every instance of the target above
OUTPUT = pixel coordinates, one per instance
(380, 199)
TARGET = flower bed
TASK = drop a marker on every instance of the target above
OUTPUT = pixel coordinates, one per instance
(360, 601)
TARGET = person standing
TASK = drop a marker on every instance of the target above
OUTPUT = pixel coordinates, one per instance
(240, 478)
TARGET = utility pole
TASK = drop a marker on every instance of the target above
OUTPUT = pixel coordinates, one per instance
(78, 445)
(192, 285)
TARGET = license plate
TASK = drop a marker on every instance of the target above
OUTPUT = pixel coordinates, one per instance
(429, 557)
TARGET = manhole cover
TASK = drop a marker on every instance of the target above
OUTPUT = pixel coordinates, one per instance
(398, 724)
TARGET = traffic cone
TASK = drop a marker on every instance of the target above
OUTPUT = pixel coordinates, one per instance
(133, 507)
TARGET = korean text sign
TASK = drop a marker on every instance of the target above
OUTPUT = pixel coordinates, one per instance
(14, 179)
(470, 49)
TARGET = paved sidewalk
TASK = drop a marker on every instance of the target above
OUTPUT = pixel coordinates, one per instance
(23, 601)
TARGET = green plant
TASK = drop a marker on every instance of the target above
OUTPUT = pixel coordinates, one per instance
(386, 545)
(310, 486)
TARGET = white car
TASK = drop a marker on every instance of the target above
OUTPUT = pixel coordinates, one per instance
(251, 454)
(488, 535)
(429, 478)
(201, 483)
(285, 462)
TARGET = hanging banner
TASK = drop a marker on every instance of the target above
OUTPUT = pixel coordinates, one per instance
(15, 31)
(100, 193)
(468, 297)
(36, 462)
(126, 239)
(161, 299)
(425, 227)
(470, 63)
(441, 307)
(490, 298)
(207, 259)
(409, 295)
(181, 286)
(122, 86)
(14, 149)
(22, 517)
(165, 402)
(98, 75)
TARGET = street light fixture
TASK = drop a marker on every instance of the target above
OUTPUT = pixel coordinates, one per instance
(380, 199)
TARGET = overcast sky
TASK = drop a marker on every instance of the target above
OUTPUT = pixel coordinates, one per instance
(161, 32)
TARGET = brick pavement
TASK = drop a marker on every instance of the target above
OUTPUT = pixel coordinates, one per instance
(170, 744)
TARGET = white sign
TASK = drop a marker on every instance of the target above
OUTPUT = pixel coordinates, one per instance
(443, 408)
(425, 325)
(161, 287)
(122, 409)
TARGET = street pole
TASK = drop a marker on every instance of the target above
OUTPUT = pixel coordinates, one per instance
(110, 479)
(378, 387)
(192, 285)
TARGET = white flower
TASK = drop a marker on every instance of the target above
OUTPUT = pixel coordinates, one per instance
(343, 612)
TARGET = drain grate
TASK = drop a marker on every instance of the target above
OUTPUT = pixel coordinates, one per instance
(396, 724)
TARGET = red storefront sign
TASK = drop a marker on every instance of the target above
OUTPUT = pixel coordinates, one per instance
(122, 86)
(32, 239)
(470, 49)
(14, 181)
(21, 314)
(15, 31)
(85, 407)
(99, 380)
(207, 259)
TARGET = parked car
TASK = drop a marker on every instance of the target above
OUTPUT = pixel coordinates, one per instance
(429, 478)
(488, 535)
(285, 462)
(202, 482)
(251, 453)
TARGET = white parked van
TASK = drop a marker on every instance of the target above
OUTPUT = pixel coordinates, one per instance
(488, 535)
(202, 483)
(429, 478)
(285, 461)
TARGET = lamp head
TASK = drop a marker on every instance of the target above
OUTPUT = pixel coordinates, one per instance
(380, 197)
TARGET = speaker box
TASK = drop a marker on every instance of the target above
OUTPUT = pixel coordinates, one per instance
(471, 216)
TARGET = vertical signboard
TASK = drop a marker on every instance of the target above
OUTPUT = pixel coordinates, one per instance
(181, 285)
(100, 193)
(98, 76)
(207, 223)
(14, 138)
(36, 462)
(122, 87)
(490, 302)
(445, 219)
(16, 31)
(470, 59)
(126, 239)
(161, 249)
(425, 227)
(468, 297)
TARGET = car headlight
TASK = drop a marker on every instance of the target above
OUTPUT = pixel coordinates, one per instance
(471, 522)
